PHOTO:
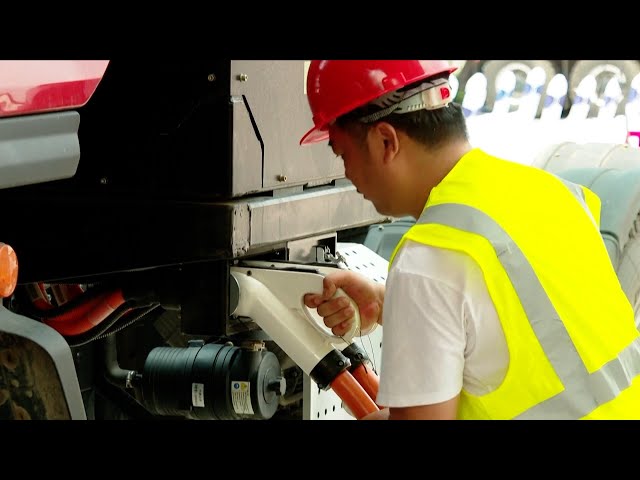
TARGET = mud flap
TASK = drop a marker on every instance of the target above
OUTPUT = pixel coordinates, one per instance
(37, 375)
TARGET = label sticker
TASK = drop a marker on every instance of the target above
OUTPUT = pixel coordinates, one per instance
(241, 398)
(197, 394)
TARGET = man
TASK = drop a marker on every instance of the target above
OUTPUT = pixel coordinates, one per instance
(501, 301)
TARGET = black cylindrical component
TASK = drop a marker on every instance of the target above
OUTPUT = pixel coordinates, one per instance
(212, 382)
(356, 355)
(327, 369)
(165, 378)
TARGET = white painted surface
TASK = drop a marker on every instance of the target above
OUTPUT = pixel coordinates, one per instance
(325, 404)
(519, 139)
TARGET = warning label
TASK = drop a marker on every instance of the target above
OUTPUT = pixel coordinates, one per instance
(197, 394)
(241, 398)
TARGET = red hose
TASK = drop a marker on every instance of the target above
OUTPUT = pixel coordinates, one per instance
(353, 395)
(80, 311)
(368, 379)
(76, 323)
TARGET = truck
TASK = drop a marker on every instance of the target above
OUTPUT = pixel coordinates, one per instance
(136, 188)
(162, 223)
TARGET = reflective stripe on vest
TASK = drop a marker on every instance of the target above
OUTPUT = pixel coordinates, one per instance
(583, 392)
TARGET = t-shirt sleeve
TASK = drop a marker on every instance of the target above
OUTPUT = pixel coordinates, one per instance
(423, 344)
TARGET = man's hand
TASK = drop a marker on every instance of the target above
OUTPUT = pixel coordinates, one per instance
(382, 414)
(337, 312)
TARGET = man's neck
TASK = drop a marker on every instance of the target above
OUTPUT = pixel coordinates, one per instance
(433, 166)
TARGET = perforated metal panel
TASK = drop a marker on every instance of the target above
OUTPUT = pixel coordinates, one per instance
(325, 404)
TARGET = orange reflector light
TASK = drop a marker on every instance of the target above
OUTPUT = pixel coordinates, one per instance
(8, 270)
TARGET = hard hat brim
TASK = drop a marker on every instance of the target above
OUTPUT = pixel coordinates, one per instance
(314, 135)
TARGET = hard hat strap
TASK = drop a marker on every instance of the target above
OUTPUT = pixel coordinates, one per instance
(427, 96)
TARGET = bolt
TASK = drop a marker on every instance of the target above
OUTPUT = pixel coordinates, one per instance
(278, 386)
(243, 77)
(128, 383)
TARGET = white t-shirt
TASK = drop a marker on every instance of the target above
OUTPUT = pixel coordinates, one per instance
(441, 329)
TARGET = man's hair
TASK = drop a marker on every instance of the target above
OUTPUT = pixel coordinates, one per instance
(431, 128)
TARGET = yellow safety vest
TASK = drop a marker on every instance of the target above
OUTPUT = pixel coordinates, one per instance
(574, 350)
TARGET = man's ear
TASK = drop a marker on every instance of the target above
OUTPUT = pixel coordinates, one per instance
(389, 136)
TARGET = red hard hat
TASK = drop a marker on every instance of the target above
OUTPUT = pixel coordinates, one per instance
(336, 87)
